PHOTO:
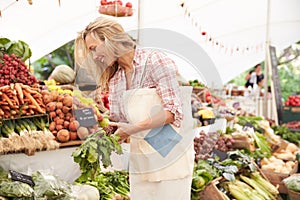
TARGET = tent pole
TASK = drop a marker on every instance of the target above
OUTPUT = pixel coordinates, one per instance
(139, 22)
(267, 63)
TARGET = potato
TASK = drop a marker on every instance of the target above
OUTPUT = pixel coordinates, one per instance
(292, 148)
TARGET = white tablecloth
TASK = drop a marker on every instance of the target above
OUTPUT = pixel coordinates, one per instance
(57, 162)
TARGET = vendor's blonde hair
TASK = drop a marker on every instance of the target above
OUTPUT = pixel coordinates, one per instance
(116, 41)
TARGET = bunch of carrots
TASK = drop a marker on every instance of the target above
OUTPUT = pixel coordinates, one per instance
(17, 100)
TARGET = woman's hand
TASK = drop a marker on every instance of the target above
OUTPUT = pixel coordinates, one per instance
(124, 130)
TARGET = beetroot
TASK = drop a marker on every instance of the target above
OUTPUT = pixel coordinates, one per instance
(74, 125)
(13, 70)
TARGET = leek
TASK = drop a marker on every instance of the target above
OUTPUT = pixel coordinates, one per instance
(264, 183)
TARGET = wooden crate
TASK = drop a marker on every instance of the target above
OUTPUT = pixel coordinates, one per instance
(211, 192)
(277, 178)
(290, 113)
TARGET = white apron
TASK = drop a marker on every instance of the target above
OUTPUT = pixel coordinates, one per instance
(156, 174)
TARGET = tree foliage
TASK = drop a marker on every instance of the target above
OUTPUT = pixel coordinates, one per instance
(288, 69)
(45, 65)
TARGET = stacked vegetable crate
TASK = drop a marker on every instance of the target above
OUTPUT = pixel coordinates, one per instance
(22, 109)
(26, 135)
(291, 113)
(277, 178)
(212, 191)
(281, 157)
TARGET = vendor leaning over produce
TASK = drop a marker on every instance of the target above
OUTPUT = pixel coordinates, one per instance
(119, 66)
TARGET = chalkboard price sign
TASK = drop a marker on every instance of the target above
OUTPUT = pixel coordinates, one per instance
(276, 84)
(16, 176)
(85, 117)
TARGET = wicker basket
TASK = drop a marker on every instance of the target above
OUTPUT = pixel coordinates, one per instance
(293, 195)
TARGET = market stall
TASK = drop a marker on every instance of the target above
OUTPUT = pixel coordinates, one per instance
(51, 128)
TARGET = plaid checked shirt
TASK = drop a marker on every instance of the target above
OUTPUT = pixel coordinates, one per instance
(160, 73)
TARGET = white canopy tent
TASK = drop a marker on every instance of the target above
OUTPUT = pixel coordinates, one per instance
(231, 32)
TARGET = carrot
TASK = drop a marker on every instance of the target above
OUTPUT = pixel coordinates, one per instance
(19, 92)
(32, 106)
(27, 87)
(31, 111)
(3, 103)
(40, 102)
(31, 91)
(4, 88)
(25, 107)
(37, 96)
(15, 107)
(5, 107)
(5, 97)
(16, 99)
(33, 102)
(13, 112)
(24, 112)
(1, 112)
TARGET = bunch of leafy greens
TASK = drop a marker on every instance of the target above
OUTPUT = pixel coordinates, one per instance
(286, 134)
(97, 146)
(203, 174)
(250, 120)
(235, 161)
(15, 189)
(111, 184)
(50, 187)
(19, 48)
(293, 182)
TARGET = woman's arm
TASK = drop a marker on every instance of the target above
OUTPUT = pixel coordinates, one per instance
(159, 119)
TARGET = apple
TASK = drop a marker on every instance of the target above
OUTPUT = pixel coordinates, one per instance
(128, 5)
(118, 2)
(103, 2)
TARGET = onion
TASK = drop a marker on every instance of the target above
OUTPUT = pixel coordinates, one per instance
(59, 105)
(63, 135)
(54, 94)
(51, 106)
(82, 132)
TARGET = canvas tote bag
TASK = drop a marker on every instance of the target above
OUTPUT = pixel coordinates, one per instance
(163, 153)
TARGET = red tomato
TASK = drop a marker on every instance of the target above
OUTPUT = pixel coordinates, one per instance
(128, 5)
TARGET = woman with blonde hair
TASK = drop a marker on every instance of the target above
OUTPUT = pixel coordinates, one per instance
(112, 57)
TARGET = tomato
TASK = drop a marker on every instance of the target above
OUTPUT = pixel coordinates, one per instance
(128, 5)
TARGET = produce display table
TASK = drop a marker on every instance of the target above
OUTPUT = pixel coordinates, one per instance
(57, 162)
(220, 124)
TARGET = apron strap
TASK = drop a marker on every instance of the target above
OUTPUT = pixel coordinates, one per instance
(144, 65)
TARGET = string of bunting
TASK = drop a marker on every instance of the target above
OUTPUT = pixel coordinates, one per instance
(9, 5)
(209, 39)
